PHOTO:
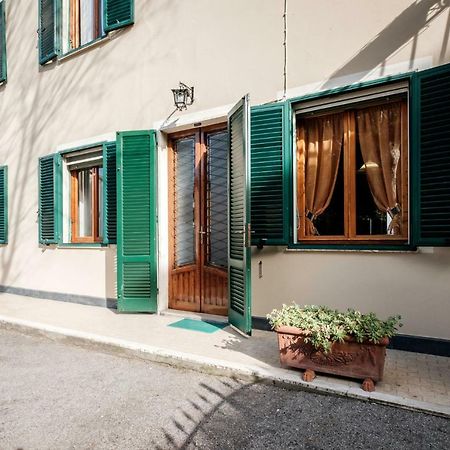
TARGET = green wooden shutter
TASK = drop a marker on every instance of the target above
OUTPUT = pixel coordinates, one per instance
(136, 221)
(2, 42)
(430, 157)
(50, 211)
(239, 257)
(270, 175)
(117, 13)
(109, 193)
(3, 205)
(49, 28)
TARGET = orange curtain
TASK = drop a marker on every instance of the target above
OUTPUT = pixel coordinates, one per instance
(319, 145)
(379, 133)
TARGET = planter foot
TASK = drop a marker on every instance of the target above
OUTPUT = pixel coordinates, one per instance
(368, 385)
(309, 375)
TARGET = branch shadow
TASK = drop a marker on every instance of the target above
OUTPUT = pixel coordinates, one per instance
(405, 27)
(40, 109)
(189, 421)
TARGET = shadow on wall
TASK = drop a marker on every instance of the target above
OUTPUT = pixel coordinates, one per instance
(36, 98)
(406, 27)
(111, 272)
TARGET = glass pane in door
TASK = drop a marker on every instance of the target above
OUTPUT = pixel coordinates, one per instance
(217, 198)
(184, 202)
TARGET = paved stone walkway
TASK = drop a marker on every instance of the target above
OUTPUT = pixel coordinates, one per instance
(411, 380)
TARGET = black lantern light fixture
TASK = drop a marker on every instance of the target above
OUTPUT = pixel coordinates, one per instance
(183, 96)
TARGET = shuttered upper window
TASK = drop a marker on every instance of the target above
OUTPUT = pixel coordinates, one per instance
(66, 25)
(81, 23)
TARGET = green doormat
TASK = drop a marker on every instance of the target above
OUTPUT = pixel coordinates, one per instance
(198, 325)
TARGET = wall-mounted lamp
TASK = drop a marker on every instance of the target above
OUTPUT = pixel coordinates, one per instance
(183, 96)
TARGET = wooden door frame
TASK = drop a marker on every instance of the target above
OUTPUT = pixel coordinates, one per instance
(200, 211)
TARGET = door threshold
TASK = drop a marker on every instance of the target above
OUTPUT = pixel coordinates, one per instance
(194, 315)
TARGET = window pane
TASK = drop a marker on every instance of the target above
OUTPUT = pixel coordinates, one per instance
(331, 221)
(217, 198)
(100, 201)
(321, 174)
(84, 203)
(378, 170)
(184, 201)
(88, 20)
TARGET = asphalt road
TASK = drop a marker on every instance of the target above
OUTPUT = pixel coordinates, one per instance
(54, 395)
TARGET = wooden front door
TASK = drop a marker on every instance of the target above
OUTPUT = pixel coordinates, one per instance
(198, 221)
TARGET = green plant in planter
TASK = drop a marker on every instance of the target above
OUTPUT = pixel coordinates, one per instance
(323, 326)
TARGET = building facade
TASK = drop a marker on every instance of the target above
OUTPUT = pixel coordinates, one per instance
(328, 184)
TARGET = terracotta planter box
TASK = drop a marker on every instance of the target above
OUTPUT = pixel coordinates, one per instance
(364, 361)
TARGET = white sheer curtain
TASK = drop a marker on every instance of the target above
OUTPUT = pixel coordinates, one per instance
(87, 21)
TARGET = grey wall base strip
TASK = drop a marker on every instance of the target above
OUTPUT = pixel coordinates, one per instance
(61, 297)
(407, 343)
(418, 344)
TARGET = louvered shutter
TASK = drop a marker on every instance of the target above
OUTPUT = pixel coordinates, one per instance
(109, 193)
(49, 199)
(48, 29)
(239, 258)
(2, 42)
(3, 205)
(136, 221)
(270, 175)
(117, 14)
(430, 162)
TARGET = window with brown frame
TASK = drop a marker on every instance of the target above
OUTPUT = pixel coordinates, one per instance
(86, 215)
(84, 22)
(352, 173)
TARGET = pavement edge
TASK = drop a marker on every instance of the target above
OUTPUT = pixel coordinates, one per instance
(274, 376)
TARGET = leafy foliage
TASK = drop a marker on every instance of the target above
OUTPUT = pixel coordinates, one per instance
(323, 326)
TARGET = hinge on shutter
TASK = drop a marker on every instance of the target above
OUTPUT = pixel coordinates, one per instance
(248, 236)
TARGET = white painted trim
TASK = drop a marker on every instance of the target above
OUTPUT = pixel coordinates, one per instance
(348, 98)
(197, 119)
(163, 223)
(65, 203)
(164, 127)
(88, 141)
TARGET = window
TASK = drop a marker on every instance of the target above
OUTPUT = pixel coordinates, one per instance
(77, 196)
(86, 204)
(352, 172)
(352, 208)
(65, 25)
(85, 195)
(2, 42)
(82, 23)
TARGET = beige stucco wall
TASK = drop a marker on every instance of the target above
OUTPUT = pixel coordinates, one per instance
(224, 49)
(414, 285)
